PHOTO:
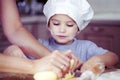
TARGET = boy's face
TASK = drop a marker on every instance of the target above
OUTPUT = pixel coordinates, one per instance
(63, 29)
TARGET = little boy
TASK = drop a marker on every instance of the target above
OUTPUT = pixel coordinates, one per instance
(65, 20)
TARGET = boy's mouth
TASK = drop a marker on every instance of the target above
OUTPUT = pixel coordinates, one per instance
(61, 36)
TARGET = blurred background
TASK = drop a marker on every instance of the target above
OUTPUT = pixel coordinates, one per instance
(104, 29)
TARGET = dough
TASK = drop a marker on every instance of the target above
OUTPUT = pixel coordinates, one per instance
(71, 63)
(46, 75)
(49, 75)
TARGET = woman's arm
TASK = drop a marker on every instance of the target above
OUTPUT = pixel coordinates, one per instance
(15, 64)
(52, 62)
(15, 31)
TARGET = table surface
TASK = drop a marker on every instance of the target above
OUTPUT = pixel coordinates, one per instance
(14, 76)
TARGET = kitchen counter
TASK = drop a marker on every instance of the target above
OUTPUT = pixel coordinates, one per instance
(98, 18)
(101, 16)
(111, 74)
(32, 19)
(107, 16)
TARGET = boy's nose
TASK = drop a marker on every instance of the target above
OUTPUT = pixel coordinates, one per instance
(62, 29)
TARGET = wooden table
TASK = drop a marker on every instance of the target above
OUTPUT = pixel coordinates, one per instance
(13, 76)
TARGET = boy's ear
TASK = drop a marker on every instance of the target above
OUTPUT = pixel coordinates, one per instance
(78, 32)
(48, 28)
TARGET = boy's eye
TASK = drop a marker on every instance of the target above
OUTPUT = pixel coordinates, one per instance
(55, 23)
(70, 25)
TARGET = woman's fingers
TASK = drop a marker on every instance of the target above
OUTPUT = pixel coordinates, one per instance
(57, 62)
(61, 61)
(77, 63)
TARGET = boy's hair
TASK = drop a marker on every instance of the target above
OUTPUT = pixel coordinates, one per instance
(79, 10)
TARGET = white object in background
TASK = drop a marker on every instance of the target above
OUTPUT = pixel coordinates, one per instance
(88, 75)
(92, 74)
(114, 75)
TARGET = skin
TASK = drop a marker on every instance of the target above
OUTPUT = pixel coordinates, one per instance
(63, 29)
(16, 33)
(61, 61)
(27, 66)
(21, 40)
(19, 33)
(107, 59)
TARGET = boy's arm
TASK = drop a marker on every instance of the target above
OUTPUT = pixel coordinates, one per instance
(107, 59)
(15, 31)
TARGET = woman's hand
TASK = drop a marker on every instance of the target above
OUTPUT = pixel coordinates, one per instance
(56, 62)
(77, 63)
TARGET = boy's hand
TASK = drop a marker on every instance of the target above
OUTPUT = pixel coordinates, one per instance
(94, 64)
(92, 69)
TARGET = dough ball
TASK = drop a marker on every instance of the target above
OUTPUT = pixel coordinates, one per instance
(46, 75)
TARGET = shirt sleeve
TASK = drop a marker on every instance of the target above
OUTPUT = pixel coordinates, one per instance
(44, 42)
(94, 50)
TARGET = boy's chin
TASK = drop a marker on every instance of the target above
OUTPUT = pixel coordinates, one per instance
(63, 42)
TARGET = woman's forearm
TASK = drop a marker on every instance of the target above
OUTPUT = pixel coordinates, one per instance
(15, 31)
(15, 64)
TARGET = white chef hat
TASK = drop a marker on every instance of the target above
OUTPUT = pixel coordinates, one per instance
(79, 10)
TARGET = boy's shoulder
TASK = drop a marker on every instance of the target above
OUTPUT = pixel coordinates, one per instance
(84, 41)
